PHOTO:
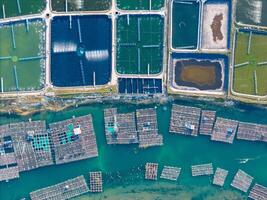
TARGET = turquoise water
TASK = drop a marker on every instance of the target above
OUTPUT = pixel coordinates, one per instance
(123, 165)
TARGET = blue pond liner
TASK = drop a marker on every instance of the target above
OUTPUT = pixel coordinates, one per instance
(140, 86)
(81, 50)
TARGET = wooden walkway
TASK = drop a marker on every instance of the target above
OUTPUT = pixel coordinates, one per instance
(224, 130)
(185, 120)
(151, 171)
(202, 170)
(73, 139)
(208, 118)
(170, 173)
(65, 190)
(147, 127)
(258, 192)
(120, 128)
(252, 132)
(242, 181)
(96, 182)
(220, 176)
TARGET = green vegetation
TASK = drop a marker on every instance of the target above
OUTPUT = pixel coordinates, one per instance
(139, 53)
(89, 5)
(140, 4)
(26, 43)
(21, 7)
(244, 79)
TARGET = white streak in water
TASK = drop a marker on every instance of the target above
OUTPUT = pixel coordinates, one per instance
(97, 55)
(254, 10)
(64, 47)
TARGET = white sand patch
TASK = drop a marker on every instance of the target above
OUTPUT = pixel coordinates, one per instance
(210, 11)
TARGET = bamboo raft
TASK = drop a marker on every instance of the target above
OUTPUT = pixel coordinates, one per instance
(208, 118)
(9, 169)
(65, 190)
(242, 181)
(151, 172)
(96, 182)
(147, 127)
(32, 144)
(252, 132)
(224, 130)
(120, 128)
(220, 176)
(258, 192)
(73, 139)
(185, 120)
(202, 170)
(170, 173)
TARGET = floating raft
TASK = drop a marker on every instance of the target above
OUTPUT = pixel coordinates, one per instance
(208, 118)
(151, 171)
(220, 176)
(185, 120)
(65, 190)
(170, 173)
(242, 181)
(252, 132)
(9, 167)
(73, 139)
(96, 182)
(120, 128)
(202, 170)
(224, 130)
(31, 144)
(258, 192)
(147, 127)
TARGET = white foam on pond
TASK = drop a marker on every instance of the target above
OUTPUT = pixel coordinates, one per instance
(97, 55)
(64, 47)
(211, 11)
(255, 11)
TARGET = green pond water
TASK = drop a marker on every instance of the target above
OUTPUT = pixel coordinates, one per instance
(27, 7)
(123, 166)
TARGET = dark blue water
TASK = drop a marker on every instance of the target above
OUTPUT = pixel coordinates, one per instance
(81, 59)
(140, 85)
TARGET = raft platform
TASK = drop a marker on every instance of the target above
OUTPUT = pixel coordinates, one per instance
(31, 144)
(202, 170)
(96, 182)
(185, 120)
(242, 181)
(9, 167)
(208, 118)
(224, 130)
(147, 127)
(151, 172)
(73, 139)
(65, 190)
(220, 176)
(120, 128)
(258, 192)
(252, 132)
(170, 173)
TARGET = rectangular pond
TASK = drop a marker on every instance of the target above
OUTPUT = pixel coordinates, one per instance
(185, 24)
(22, 55)
(139, 86)
(81, 51)
(252, 12)
(80, 5)
(139, 44)
(250, 64)
(140, 4)
(199, 71)
(13, 8)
